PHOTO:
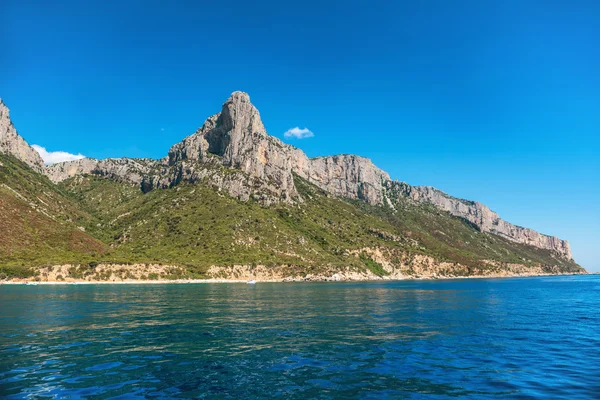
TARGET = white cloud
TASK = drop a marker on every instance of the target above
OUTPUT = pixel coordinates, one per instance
(298, 133)
(53, 157)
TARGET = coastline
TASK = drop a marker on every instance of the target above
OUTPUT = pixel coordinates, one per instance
(423, 268)
(312, 279)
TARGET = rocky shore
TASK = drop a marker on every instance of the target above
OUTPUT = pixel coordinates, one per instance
(159, 274)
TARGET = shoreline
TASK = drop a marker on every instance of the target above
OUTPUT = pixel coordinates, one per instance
(32, 282)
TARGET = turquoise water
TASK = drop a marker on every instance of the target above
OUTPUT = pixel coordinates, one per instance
(480, 338)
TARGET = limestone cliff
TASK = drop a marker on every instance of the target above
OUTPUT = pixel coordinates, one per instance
(120, 169)
(12, 143)
(233, 152)
(238, 138)
(344, 175)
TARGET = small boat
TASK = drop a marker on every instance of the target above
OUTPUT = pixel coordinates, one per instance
(251, 282)
(31, 283)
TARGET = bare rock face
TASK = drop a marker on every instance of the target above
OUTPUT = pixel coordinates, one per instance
(233, 152)
(234, 182)
(236, 137)
(120, 169)
(12, 143)
(345, 175)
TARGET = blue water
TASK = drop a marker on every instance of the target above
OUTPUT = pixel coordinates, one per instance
(492, 338)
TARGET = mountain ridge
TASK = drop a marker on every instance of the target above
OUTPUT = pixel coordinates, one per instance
(236, 138)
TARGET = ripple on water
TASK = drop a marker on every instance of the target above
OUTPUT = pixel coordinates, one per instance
(104, 366)
(518, 338)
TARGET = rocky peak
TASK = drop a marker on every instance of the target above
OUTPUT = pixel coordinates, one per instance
(236, 138)
(240, 129)
(12, 143)
(238, 118)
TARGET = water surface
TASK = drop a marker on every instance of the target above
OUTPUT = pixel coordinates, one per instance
(479, 338)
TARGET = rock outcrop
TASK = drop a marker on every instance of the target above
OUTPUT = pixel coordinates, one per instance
(233, 151)
(129, 170)
(12, 143)
(345, 175)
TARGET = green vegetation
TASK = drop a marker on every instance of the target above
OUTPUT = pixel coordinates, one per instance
(9, 272)
(88, 220)
(39, 223)
(374, 266)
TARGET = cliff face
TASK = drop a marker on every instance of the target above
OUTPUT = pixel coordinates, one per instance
(120, 169)
(345, 176)
(233, 152)
(12, 143)
(236, 138)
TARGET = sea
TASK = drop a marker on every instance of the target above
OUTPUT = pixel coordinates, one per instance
(521, 338)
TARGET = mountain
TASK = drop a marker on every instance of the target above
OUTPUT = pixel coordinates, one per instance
(231, 200)
(236, 138)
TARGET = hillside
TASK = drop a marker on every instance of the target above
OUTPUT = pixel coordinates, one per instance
(232, 201)
(196, 226)
(40, 224)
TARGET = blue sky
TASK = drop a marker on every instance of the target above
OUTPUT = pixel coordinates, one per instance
(492, 101)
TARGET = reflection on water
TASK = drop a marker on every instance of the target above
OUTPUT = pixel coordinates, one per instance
(535, 337)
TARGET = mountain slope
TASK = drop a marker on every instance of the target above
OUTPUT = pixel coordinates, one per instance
(198, 227)
(40, 224)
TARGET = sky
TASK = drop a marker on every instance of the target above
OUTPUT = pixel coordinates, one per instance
(491, 101)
